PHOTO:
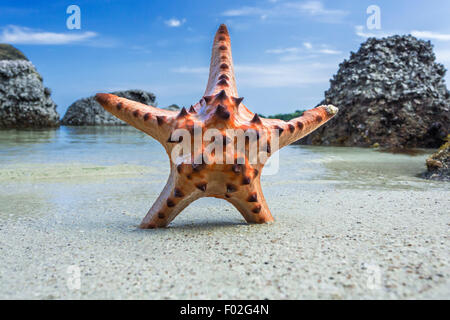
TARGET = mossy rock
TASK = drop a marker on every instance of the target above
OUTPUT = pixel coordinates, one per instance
(438, 164)
(8, 52)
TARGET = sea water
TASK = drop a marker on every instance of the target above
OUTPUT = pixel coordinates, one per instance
(65, 169)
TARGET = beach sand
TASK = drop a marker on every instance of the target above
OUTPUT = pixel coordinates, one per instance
(349, 224)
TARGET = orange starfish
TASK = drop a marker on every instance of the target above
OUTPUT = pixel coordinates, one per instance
(201, 173)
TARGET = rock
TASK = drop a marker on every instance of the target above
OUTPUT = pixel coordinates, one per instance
(88, 111)
(24, 101)
(438, 164)
(8, 52)
(390, 92)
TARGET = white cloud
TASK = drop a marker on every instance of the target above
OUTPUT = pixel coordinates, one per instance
(244, 11)
(307, 45)
(313, 9)
(22, 35)
(284, 74)
(247, 11)
(283, 50)
(431, 35)
(297, 53)
(316, 8)
(274, 75)
(174, 22)
(198, 70)
(329, 51)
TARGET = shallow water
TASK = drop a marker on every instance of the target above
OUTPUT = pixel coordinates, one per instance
(75, 196)
(44, 171)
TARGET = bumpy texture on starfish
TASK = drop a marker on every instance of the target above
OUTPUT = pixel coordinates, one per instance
(221, 109)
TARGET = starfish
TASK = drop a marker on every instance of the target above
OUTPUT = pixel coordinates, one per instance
(194, 175)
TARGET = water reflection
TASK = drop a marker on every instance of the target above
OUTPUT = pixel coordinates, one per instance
(107, 145)
(14, 137)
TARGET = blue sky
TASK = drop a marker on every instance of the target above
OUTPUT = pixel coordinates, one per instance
(284, 52)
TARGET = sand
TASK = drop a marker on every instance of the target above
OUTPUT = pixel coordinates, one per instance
(345, 228)
(339, 245)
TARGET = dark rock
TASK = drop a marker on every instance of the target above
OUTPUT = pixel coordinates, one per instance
(438, 164)
(24, 101)
(88, 111)
(391, 93)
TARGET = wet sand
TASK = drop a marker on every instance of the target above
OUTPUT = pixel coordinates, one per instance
(349, 224)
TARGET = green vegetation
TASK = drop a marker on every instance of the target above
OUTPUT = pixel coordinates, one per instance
(286, 116)
(446, 145)
(173, 107)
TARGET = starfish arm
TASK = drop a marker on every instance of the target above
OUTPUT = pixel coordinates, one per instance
(221, 70)
(153, 121)
(297, 128)
(250, 202)
(175, 196)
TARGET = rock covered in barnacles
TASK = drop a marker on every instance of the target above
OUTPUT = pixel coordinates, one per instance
(391, 93)
(24, 101)
(87, 111)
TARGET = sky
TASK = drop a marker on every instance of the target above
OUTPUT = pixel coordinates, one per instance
(284, 52)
